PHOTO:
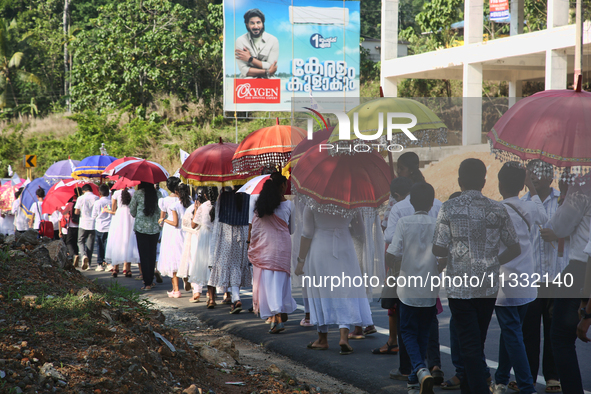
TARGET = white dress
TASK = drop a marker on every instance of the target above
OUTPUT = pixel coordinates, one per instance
(190, 242)
(7, 224)
(275, 286)
(199, 270)
(332, 254)
(121, 242)
(172, 237)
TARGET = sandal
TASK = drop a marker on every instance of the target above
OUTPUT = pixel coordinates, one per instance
(450, 384)
(139, 277)
(127, 274)
(356, 336)
(513, 386)
(227, 301)
(311, 346)
(369, 331)
(236, 308)
(345, 350)
(276, 328)
(392, 349)
(195, 300)
(553, 386)
(146, 288)
(114, 273)
(211, 304)
(268, 321)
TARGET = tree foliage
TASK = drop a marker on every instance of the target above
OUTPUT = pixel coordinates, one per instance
(139, 48)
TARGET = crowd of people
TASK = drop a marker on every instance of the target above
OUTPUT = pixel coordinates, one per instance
(524, 250)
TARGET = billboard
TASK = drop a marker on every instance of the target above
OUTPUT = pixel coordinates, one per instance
(275, 51)
(499, 10)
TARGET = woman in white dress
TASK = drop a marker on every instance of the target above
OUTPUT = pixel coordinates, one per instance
(345, 305)
(173, 207)
(199, 266)
(270, 253)
(121, 243)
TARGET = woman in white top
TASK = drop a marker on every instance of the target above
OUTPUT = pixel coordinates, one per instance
(199, 264)
(121, 243)
(173, 207)
(270, 253)
(326, 249)
(21, 223)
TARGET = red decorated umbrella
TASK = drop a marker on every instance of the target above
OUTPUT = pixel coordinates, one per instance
(554, 126)
(343, 182)
(141, 170)
(123, 183)
(267, 146)
(7, 194)
(111, 167)
(211, 165)
(317, 138)
(60, 193)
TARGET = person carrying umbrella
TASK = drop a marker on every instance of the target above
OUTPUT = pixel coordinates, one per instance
(270, 253)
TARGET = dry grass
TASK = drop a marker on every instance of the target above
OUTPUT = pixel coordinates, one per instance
(57, 124)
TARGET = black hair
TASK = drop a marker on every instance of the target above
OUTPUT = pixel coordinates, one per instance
(87, 188)
(184, 194)
(104, 190)
(270, 197)
(411, 161)
(125, 197)
(422, 195)
(18, 193)
(78, 191)
(172, 183)
(512, 177)
(400, 185)
(212, 193)
(202, 195)
(40, 192)
(150, 198)
(252, 13)
(454, 195)
(472, 174)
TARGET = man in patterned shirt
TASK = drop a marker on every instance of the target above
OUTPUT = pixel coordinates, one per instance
(470, 229)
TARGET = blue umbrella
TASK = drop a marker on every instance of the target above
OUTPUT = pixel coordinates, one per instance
(62, 169)
(29, 196)
(92, 166)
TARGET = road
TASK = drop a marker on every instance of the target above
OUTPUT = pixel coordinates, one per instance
(361, 369)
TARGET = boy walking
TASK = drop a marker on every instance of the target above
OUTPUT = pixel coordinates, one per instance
(411, 242)
(102, 217)
(83, 208)
(512, 301)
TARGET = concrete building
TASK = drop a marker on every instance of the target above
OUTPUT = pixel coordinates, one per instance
(374, 46)
(546, 55)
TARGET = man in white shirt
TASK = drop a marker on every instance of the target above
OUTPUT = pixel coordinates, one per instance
(256, 51)
(102, 217)
(411, 243)
(36, 210)
(86, 234)
(572, 219)
(546, 261)
(515, 293)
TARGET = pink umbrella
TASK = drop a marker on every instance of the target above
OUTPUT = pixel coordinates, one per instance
(123, 183)
(141, 170)
(554, 126)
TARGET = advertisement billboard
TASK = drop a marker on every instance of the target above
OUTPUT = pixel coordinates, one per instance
(275, 51)
(499, 10)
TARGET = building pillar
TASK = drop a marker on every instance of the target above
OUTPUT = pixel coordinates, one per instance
(389, 50)
(556, 67)
(472, 105)
(515, 91)
(517, 14)
(473, 21)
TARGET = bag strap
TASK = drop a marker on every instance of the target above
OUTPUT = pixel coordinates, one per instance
(521, 215)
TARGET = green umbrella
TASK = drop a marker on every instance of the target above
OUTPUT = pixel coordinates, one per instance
(428, 129)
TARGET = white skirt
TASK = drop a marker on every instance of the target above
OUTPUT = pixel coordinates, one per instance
(121, 241)
(275, 293)
(171, 252)
(199, 270)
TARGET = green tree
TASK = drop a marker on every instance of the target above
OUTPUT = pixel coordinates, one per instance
(139, 48)
(11, 71)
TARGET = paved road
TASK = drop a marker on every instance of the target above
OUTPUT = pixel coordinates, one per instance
(361, 369)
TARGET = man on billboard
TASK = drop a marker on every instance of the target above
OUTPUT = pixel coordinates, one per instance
(256, 51)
